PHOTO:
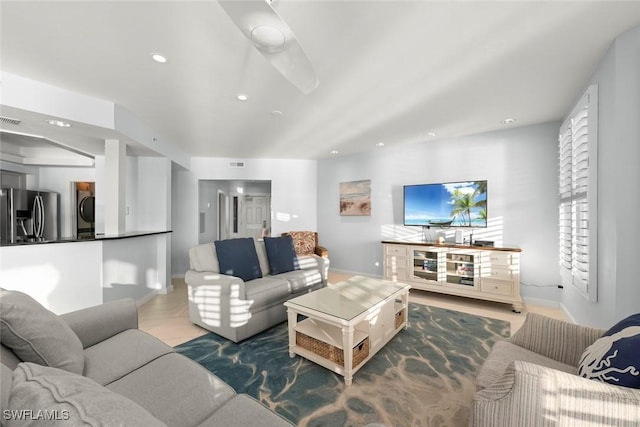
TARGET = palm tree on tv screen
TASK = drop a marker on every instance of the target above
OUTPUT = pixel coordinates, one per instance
(464, 201)
(462, 204)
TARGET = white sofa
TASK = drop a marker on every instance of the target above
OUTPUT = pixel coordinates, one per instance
(236, 310)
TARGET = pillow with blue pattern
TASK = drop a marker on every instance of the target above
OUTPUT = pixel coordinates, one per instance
(615, 356)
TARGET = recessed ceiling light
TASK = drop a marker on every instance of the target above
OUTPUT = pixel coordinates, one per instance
(59, 123)
(276, 113)
(158, 58)
(431, 134)
(241, 97)
(508, 121)
(380, 144)
(333, 152)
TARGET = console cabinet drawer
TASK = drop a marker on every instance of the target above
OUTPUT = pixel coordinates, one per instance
(395, 250)
(500, 258)
(496, 272)
(400, 273)
(496, 287)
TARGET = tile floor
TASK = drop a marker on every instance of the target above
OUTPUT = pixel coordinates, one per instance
(167, 316)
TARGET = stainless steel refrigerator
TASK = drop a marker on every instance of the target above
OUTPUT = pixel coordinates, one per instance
(27, 215)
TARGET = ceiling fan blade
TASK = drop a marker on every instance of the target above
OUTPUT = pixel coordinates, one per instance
(273, 38)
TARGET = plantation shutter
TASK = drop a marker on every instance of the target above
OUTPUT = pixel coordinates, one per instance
(577, 155)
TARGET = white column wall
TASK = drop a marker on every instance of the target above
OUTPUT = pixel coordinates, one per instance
(115, 188)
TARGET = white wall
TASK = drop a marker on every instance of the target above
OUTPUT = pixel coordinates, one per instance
(152, 202)
(293, 197)
(133, 267)
(618, 80)
(184, 211)
(293, 186)
(520, 166)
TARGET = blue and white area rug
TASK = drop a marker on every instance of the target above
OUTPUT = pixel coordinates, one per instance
(425, 376)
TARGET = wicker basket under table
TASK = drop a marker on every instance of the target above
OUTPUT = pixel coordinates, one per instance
(332, 353)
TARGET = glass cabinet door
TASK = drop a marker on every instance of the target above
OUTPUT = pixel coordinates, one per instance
(426, 265)
(462, 269)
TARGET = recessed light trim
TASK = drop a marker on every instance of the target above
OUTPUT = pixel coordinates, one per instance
(379, 144)
(276, 113)
(159, 58)
(508, 121)
(334, 152)
(431, 134)
(241, 97)
(59, 123)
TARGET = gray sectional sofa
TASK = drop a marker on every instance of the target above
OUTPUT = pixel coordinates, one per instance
(237, 309)
(95, 367)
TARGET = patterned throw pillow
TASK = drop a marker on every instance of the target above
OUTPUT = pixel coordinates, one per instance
(304, 242)
(615, 357)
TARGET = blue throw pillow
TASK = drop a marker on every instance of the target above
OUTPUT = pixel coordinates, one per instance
(615, 357)
(281, 254)
(238, 257)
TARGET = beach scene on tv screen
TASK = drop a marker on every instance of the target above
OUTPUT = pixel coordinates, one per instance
(456, 204)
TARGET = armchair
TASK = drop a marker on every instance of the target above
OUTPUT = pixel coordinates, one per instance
(531, 379)
(306, 243)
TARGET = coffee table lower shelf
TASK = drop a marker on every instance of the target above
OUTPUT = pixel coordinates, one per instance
(326, 342)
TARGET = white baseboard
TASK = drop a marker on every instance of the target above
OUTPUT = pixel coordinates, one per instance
(541, 302)
(353, 273)
(145, 299)
(567, 314)
(177, 276)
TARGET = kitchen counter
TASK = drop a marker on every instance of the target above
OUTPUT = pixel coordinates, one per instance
(70, 274)
(97, 237)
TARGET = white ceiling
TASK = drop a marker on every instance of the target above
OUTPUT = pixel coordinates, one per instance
(389, 71)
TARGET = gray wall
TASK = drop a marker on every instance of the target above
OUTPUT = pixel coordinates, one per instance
(520, 166)
(618, 80)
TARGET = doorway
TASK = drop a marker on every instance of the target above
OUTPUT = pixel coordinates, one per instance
(234, 209)
(251, 216)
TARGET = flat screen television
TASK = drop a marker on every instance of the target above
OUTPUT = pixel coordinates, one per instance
(450, 204)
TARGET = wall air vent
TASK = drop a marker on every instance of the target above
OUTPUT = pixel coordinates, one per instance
(236, 164)
(4, 119)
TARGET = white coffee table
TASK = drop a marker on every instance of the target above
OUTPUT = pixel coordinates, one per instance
(347, 323)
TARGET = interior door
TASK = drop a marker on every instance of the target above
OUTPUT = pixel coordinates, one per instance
(254, 216)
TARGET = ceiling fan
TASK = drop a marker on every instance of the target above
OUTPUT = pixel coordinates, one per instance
(273, 38)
